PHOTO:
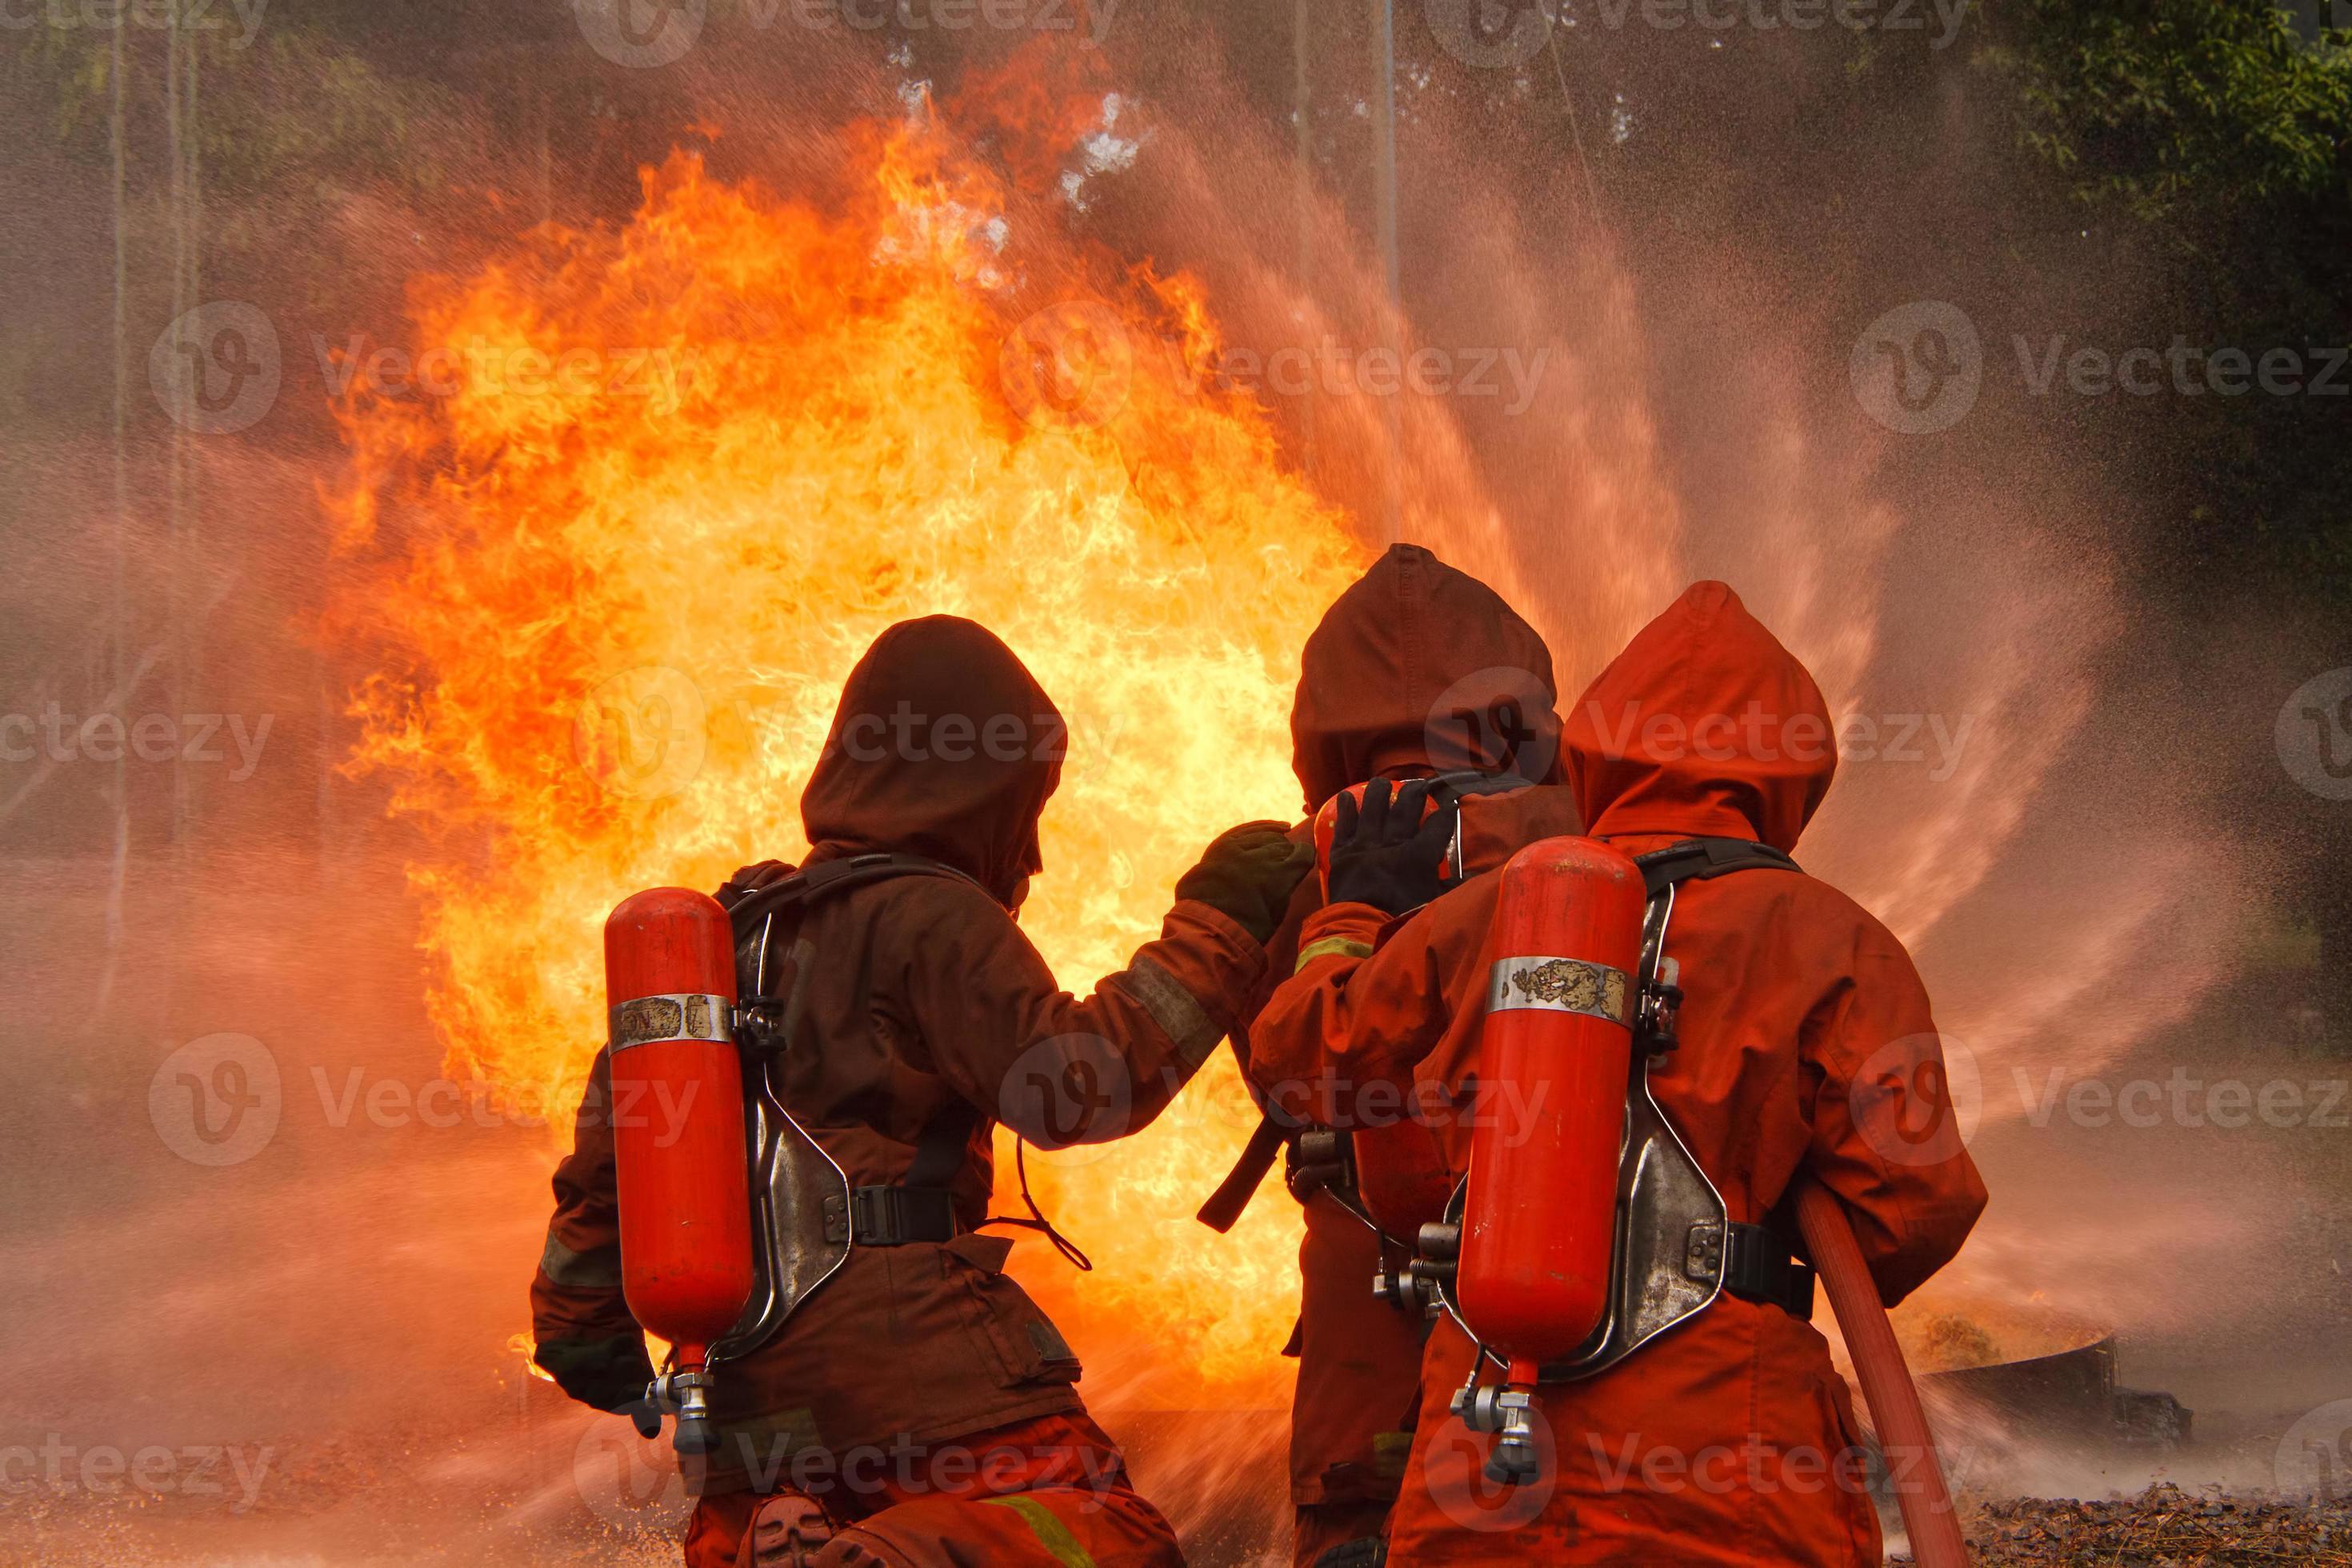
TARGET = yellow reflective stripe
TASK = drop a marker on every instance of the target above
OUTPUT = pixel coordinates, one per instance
(1052, 1533)
(1332, 947)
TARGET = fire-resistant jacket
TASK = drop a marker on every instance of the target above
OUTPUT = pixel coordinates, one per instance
(924, 998)
(1731, 1440)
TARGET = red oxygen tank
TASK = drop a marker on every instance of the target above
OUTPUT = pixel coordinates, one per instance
(683, 1174)
(1554, 1056)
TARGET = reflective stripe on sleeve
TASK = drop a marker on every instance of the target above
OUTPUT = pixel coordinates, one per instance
(1332, 947)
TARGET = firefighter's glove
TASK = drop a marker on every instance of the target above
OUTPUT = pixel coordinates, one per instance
(1387, 854)
(609, 1374)
(1249, 874)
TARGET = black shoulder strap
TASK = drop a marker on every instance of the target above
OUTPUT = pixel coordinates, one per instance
(1698, 859)
(920, 1206)
(755, 892)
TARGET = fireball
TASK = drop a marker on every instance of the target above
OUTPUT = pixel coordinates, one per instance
(684, 471)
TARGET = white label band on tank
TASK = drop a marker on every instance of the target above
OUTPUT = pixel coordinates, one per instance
(680, 1015)
(1551, 984)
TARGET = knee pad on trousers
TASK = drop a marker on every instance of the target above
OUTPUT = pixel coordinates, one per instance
(787, 1531)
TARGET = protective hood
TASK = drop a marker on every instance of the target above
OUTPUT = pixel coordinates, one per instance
(1706, 727)
(1420, 666)
(944, 746)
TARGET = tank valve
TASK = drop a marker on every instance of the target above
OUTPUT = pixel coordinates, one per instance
(1507, 1411)
(689, 1394)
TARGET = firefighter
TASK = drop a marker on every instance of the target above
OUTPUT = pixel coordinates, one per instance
(1729, 1440)
(916, 1409)
(1416, 670)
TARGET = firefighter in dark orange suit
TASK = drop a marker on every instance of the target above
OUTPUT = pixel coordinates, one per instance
(1804, 1029)
(1417, 669)
(917, 1410)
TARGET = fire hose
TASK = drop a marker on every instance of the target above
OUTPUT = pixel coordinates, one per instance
(1902, 1431)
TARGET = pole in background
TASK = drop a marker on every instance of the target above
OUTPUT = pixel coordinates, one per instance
(1384, 220)
(1303, 200)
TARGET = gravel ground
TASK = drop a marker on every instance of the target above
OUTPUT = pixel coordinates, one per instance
(2163, 1527)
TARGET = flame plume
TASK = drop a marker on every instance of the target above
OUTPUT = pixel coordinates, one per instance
(688, 470)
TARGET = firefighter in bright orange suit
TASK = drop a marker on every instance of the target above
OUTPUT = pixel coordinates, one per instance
(1730, 1440)
(1417, 669)
(917, 1409)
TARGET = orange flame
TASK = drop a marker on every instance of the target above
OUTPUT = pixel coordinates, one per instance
(687, 472)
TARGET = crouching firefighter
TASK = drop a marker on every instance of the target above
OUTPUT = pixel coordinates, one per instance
(882, 1394)
(1417, 669)
(1656, 1044)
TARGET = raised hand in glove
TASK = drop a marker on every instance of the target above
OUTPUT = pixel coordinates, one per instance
(609, 1374)
(1248, 873)
(1385, 854)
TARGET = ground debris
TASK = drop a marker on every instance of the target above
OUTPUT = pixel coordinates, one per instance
(2163, 1527)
